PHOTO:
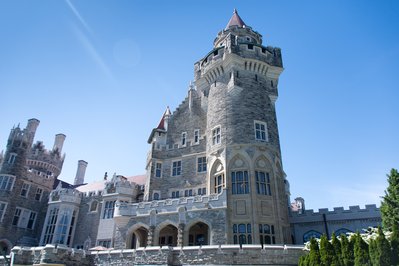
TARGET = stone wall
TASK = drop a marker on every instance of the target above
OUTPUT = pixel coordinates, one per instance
(326, 222)
(209, 255)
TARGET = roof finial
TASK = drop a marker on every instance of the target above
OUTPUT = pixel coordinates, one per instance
(235, 11)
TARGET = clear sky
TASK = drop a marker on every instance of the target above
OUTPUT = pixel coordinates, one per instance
(103, 72)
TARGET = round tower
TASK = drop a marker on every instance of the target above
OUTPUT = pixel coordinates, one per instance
(239, 80)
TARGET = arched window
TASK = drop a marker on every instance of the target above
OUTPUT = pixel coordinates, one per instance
(156, 196)
(310, 234)
(266, 234)
(342, 231)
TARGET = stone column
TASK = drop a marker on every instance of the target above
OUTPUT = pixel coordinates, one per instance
(150, 238)
(180, 235)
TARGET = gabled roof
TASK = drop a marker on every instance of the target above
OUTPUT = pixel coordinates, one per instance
(235, 21)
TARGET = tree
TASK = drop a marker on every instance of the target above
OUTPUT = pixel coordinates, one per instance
(314, 253)
(383, 249)
(361, 251)
(326, 251)
(373, 252)
(337, 261)
(395, 245)
(390, 203)
(346, 251)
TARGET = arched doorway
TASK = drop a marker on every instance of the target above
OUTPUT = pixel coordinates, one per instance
(168, 236)
(5, 247)
(138, 238)
(198, 234)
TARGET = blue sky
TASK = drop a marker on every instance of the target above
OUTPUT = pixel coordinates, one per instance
(103, 72)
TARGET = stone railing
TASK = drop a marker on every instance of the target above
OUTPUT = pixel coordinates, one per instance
(191, 255)
(211, 201)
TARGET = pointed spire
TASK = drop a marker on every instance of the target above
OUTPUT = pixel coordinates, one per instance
(235, 21)
(161, 124)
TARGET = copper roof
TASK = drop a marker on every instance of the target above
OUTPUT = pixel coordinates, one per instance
(235, 21)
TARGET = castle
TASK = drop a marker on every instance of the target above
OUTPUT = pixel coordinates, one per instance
(214, 170)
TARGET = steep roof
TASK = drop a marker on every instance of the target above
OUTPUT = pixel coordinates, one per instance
(100, 185)
(161, 124)
(235, 21)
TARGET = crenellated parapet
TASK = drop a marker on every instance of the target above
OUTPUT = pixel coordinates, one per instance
(212, 201)
(65, 196)
(338, 213)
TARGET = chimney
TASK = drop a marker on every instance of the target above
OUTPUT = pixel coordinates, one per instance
(80, 173)
(59, 142)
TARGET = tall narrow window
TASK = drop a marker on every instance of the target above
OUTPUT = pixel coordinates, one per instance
(262, 183)
(261, 131)
(71, 226)
(17, 214)
(12, 158)
(50, 227)
(39, 193)
(31, 221)
(196, 136)
(25, 190)
(183, 139)
(176, 168)
(3, 207)
(109, 209)
(201, 164)
(216, 136)
(240, 182)
(158, 169)
(219, 183)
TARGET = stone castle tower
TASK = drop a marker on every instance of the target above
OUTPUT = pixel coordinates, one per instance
(27, 175)
(223, 139)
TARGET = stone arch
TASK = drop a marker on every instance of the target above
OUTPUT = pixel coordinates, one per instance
(310, 234)
(166, 234)
(5, 246)
(197, 232)
(342, 231)
(263, 176)
(217, 179)
(137, 236)
(240, 160)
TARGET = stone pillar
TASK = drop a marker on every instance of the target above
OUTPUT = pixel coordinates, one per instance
(150, 238)
(180, 235)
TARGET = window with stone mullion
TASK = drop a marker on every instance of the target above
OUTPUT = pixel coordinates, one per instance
(242, 233)
(240, 182)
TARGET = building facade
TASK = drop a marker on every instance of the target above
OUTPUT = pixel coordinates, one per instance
(27, 175)
(214, 171)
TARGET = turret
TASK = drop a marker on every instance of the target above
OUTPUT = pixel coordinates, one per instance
(80, 173)
(59, 142)
(31, 128)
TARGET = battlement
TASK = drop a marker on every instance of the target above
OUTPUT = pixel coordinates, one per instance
(212, 201)
(65, 195)
(338, 213)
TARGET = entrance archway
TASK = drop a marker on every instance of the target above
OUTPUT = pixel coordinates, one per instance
(168, 236)
(5, 247)
(198, 234)
(137, 238)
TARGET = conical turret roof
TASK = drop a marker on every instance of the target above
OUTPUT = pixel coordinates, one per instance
(235, 20)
